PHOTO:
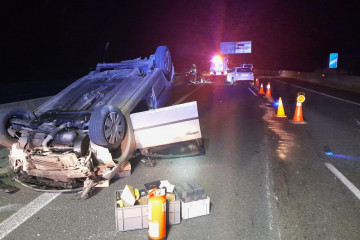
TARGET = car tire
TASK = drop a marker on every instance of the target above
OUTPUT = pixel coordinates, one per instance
(107, 127)
(163, 61)
(5, 115)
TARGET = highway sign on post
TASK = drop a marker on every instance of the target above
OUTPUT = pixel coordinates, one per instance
(243, 47)
(333, 60)
(227, 47)
(235, 47)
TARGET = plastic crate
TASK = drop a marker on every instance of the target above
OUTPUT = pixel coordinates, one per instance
(195, 208)
(136, 217)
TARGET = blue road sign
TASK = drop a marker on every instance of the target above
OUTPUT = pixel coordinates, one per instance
(227, 47)
(333, 60)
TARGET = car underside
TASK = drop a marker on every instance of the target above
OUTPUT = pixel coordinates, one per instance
(76, 136)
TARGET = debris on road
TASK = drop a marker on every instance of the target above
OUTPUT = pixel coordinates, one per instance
(194, 202)
(128, 195)
(185, 200)
(132, 217)
(190, 191)
(7, 188)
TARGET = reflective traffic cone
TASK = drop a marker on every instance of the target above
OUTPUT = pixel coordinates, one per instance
(268, 90)
(280, 110)
(257, 81)
(298, 116)
(261, 89)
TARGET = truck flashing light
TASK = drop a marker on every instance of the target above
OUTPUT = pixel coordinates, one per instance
(217, 59)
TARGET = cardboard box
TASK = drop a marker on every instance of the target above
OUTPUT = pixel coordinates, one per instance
(128, 195)
(136, 217)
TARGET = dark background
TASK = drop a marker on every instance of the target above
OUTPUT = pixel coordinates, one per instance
(50, 40)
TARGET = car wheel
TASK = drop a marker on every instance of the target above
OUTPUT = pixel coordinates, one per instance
(107, 127)
(163, 61)
(5, 115)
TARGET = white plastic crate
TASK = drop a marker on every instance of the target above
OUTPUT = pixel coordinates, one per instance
(195, 208)
(136, 217)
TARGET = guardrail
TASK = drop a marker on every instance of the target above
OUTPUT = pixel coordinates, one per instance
(345, 82)
(266, 72)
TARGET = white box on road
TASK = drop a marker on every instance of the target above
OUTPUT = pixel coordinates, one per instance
(195, 208)
(166, 125)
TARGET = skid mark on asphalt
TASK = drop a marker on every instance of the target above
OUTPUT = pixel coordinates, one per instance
(343, 179)
(18, 218)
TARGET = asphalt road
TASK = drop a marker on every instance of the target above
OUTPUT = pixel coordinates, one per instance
(266, 177)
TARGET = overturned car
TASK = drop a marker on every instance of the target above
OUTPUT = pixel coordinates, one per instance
(84, 133)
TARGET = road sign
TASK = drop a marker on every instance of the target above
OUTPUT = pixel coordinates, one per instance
(333, 60)
(235, 47)
(227, 47)
(243, 47)
(301, 97)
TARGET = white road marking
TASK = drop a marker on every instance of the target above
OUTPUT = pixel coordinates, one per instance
(343, 179)
(252, 91)
(270, 196)
(18, 218)
(184, 97)
(344, 100)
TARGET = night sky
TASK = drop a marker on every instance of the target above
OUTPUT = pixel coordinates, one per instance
(54, 40)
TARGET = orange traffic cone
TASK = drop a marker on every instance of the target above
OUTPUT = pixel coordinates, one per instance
(280, 110)
(268, 91)
(261, 89)
(298, 116)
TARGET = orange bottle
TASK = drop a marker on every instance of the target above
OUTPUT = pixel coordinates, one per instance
(157, 214)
